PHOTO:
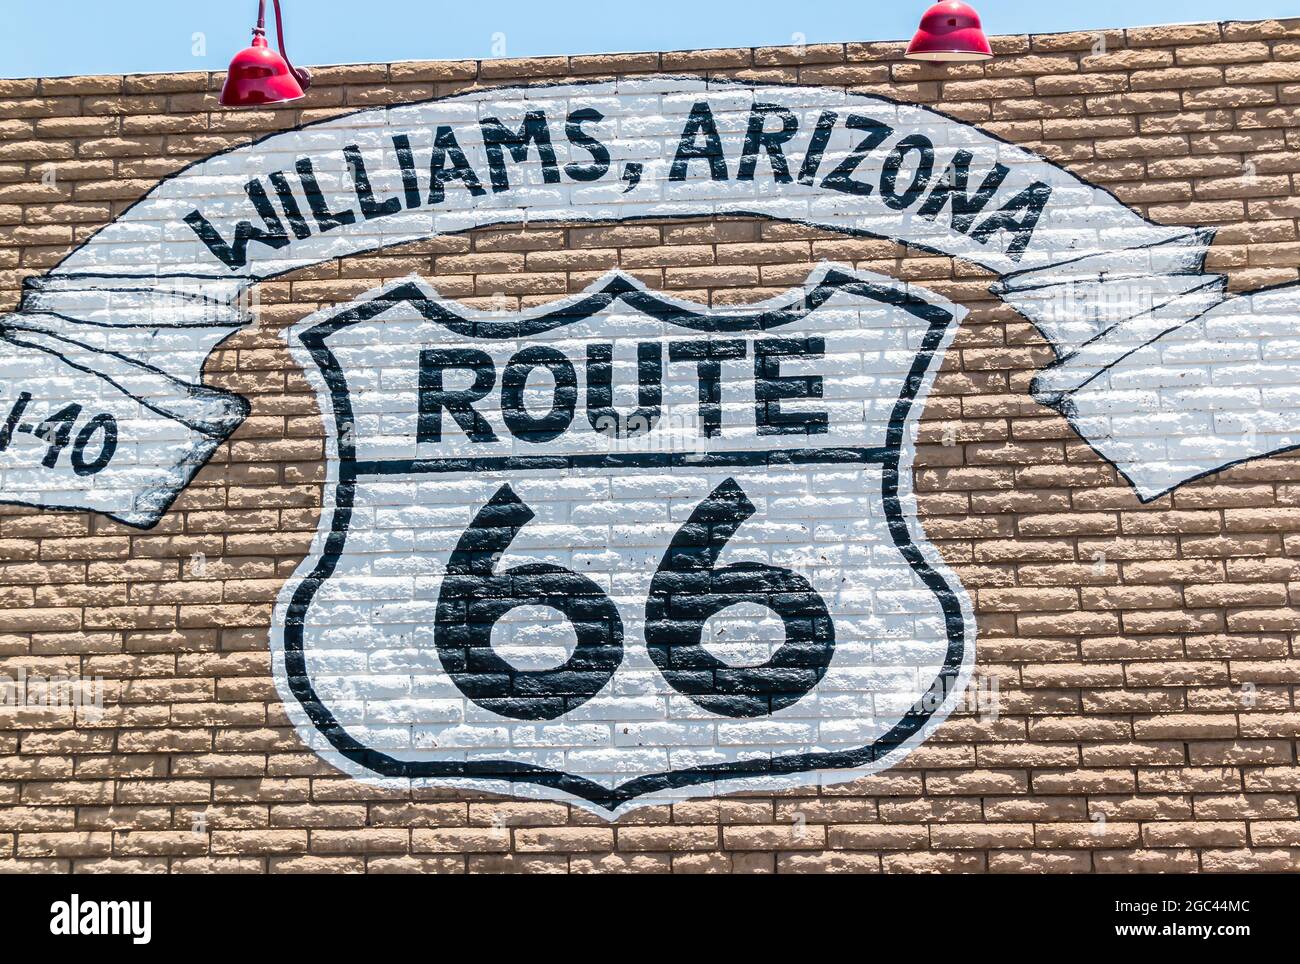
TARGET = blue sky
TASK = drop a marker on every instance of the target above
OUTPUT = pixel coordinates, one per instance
(56, 37)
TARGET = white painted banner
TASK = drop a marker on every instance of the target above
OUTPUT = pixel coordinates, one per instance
(103, 406)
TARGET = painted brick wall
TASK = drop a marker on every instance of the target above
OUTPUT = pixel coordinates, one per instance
(1143, 654)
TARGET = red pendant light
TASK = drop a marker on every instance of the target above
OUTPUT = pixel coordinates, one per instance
(258, 75)
(950, 31)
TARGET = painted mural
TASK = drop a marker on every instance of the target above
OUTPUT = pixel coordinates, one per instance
(622, 548)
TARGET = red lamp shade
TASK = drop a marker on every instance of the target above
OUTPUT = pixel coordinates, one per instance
(259, 75)
(950, 31)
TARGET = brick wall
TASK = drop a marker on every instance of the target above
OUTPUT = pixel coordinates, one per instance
(1143, 653)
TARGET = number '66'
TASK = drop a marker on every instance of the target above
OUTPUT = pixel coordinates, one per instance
(687, 589)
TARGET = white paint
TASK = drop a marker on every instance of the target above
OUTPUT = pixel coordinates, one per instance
(1186, 402)
(1093, 277)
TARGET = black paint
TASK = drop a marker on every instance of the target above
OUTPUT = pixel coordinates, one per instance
(821, 136)
(370, 208)
(434, 397)
(917, 144)
(534, 130)
(708, 357)
(474, 597)
(326, 220)
(1031, 201)
(602, 415)
(952, 186)
(699, 141)
(757, 138)
(447, 149)
(292, 212)
(771, 388)
(406, 162)
(841, 178)
(523, 424)
(235, 254)
(688, 588)
(599, 165)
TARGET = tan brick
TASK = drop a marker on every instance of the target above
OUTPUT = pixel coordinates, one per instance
(240, 842)
(66, 844)
(360, 840)
(1145, 861)
(877, 837)
(460, 840)
(668, 838)
(1242, 861)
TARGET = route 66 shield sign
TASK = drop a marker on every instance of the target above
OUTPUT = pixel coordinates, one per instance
(623, 548)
